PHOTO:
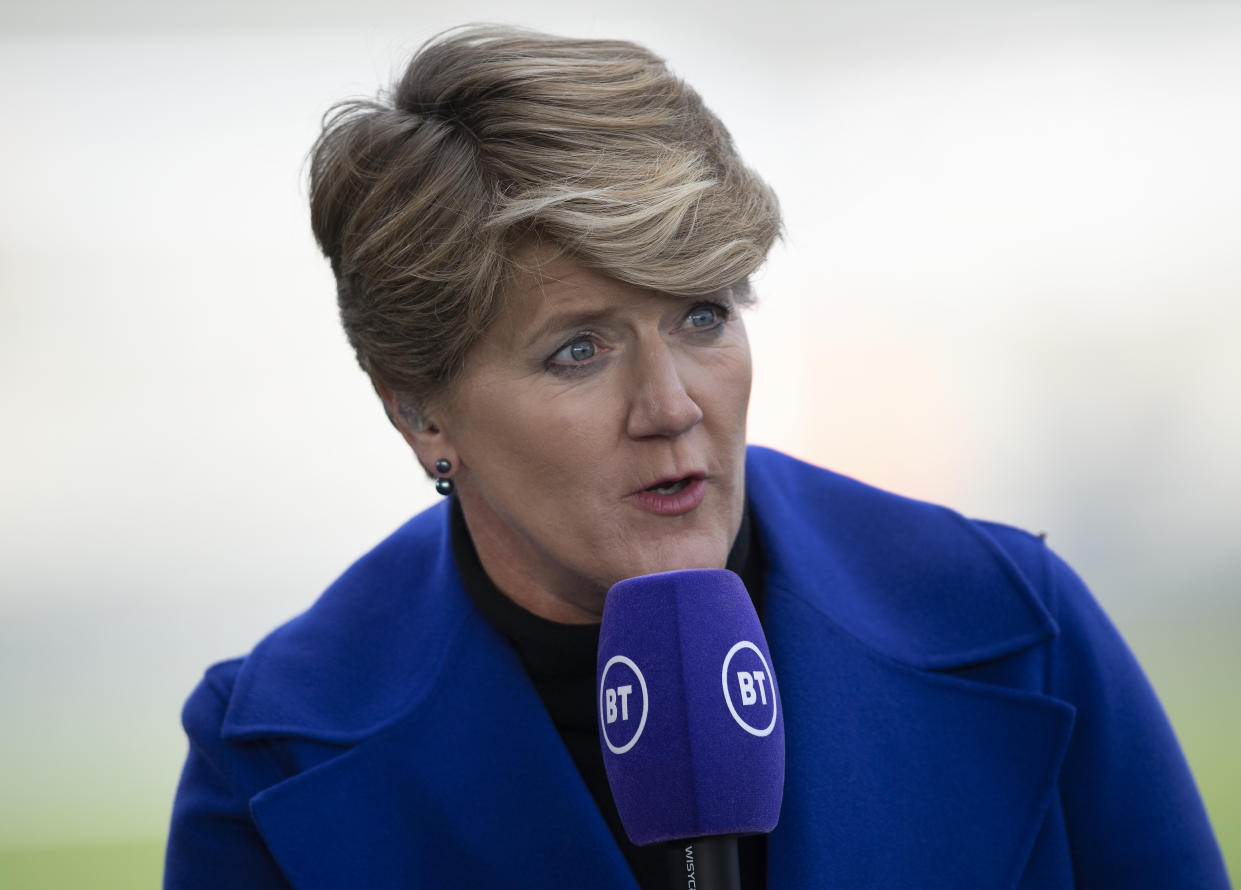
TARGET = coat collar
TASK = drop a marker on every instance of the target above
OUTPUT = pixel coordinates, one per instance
(886, 752)
(367, 652)
(902, 576)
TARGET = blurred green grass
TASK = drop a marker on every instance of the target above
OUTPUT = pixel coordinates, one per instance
(126, 866)
(1194, 665)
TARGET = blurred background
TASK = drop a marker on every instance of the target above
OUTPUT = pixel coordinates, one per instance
(1011, 283)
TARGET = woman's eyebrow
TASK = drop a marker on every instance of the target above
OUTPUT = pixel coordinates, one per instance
(567, 319)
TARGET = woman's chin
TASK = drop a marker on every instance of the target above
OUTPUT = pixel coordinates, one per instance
(676, 556)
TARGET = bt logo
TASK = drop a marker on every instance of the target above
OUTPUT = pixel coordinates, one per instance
(747, 681)
(622, 704)
(610, 697)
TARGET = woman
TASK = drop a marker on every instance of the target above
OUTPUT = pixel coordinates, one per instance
(541, 247)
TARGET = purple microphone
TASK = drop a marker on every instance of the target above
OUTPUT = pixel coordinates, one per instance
(689, 717)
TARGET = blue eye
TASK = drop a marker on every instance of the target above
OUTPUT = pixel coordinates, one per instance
(581, 350)
(707, 316)
(703, 317)
(577, 351)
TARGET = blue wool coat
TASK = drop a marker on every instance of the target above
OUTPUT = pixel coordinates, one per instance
(958, 712)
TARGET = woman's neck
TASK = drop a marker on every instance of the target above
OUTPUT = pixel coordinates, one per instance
(506, 560)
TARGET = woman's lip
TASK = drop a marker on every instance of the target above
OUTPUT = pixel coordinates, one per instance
(683, 501)
(692, 475)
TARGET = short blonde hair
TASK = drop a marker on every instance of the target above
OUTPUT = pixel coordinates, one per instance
(496, 136)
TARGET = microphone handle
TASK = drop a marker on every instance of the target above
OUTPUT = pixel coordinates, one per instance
(704, 863)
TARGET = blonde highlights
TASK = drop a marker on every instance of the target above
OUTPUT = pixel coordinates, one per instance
(496, 136)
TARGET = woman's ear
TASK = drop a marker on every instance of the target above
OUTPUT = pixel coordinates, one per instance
(428, 440)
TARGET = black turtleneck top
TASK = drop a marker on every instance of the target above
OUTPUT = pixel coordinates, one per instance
(560, 660)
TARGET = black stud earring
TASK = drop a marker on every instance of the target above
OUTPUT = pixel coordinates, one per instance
(442, 485)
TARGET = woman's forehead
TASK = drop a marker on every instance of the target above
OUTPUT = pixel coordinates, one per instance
(550, 279)
(561, 292)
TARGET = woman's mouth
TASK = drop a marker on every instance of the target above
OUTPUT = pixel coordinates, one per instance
(672, 497)
(671, 487)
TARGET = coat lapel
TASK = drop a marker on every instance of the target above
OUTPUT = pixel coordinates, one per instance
(899, 774)
(421, 753)
(894, 772)
(472, 788)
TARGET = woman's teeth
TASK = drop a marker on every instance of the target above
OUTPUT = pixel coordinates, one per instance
(670, 487)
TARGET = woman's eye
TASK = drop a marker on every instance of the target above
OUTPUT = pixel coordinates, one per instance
(706, 316)
(577, 351)
(701, 318)
(582, 350)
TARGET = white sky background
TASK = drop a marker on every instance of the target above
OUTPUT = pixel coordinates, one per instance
(1011, 284)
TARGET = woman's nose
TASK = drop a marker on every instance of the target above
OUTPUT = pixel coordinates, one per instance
(660, 404)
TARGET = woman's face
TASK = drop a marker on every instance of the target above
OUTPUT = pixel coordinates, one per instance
(598, 433)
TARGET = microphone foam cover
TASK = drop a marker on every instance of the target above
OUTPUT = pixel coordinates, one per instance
(689, 712)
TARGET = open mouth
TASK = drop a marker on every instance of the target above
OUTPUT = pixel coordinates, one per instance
(673, 497)
(671, 487)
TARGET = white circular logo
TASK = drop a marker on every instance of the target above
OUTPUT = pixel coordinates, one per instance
(753, 685)
(614, 703)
